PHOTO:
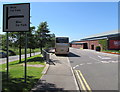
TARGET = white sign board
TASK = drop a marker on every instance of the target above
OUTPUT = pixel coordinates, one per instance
(16, 17)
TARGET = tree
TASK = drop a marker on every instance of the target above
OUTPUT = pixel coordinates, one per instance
(51, 41)
(3, 41)
(103, 42)
(15, 38)
(42, 33)
(31, 39)
(17, 41)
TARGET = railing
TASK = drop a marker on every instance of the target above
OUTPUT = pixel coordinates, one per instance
(46, 56)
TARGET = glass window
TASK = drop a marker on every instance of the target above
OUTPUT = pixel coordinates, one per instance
(62, 40)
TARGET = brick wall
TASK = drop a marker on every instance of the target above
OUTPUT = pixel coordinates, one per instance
(91, 44)
(77, 46)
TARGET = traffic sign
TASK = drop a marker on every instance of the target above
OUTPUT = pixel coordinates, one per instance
(16, 17)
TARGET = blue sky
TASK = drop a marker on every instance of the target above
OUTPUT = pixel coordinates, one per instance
(74, 19)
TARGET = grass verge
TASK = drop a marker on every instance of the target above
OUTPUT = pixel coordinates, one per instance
(16, 74)
(112, 51)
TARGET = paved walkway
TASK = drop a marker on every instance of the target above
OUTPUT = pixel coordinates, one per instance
(14, 58)
(59, 76)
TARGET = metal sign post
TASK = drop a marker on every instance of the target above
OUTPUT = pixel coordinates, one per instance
(16, 18)
(7, 63)
(20, 47)
(25, 56)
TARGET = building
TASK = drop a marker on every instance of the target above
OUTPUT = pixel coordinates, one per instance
(108, 40)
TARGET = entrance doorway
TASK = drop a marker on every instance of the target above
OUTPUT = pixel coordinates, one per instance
(85, 46)
(92, 47)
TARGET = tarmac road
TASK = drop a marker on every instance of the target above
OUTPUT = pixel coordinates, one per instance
(95, 70)
(14, 58)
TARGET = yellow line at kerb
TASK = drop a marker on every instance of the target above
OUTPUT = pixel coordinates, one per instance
(88, 87)
(80, 81)
(83, 82)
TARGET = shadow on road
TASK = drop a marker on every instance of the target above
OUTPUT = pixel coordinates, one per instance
(72, 55)
(68, 55)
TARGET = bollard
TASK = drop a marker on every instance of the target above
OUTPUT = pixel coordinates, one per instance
(46, 56)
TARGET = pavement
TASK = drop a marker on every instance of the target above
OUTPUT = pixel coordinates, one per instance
(59, 76)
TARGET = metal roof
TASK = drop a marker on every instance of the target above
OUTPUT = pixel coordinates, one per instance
(77, 43)
(102, 35)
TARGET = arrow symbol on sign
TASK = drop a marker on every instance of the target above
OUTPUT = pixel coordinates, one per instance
(17, 16)
(7, 18)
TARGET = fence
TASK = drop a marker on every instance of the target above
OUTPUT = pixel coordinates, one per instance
(46, 56)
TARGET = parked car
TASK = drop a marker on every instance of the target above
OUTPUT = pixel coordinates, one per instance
(3, 55)
(12, 53)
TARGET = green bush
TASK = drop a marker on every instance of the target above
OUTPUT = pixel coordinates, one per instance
(103, 42)
(98, 48)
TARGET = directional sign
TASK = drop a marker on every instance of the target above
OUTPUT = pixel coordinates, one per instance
(16, 17)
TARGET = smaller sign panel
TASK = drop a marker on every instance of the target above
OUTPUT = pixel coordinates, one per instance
(16, 17)
(114, 44)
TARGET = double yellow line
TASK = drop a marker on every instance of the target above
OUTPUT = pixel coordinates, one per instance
(82, 81)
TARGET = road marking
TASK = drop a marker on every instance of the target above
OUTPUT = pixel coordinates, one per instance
(83, 82)
(109, 61)
(77, 65)
(94, 58)
(88, 87)
(105, 61)
(114, 61)
(74, 67)
(99, 56)
(89, 63)
(104, 57)
(97, 62)
(77, 88)
(81, 64)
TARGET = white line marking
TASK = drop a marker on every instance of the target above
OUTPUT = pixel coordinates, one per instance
(99, 56)
(97, 62)
(89, 63)
(77, 88)
(77, 65)
(74, 67)
(104, 57)
(105, 61)
(94, 59)
(81, 64)
(114, 61)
